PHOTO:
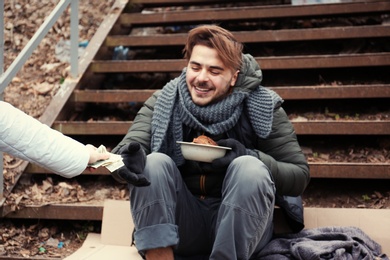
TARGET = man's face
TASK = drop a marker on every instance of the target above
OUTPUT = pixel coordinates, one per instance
(208, 79)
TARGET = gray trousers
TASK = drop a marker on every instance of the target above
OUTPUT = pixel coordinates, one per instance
(236, 226)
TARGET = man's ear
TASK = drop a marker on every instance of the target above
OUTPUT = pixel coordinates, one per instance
(234, 78)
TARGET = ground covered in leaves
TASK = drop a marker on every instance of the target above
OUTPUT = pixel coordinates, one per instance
(43, 239)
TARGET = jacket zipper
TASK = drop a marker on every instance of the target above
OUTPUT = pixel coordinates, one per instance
(203, 184)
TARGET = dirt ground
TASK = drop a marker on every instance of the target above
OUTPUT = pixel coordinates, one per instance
(31, 91)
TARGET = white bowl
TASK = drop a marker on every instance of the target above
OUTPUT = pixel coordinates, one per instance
(202, 152)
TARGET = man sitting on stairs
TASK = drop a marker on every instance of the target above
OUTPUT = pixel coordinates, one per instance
(223, 209)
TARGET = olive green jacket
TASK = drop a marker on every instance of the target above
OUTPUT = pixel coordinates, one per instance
(280, 151)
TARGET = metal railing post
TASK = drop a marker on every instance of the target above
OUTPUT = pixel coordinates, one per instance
(15, 66)
(74, 38)
(1, 91)
(1, 39)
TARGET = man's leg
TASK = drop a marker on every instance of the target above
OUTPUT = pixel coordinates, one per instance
(244, 223)
(153, 207)
(165, 253)
(159, 209)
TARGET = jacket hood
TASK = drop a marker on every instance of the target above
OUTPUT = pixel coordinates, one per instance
(250, 75)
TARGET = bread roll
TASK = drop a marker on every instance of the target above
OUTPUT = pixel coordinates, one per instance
(202, 139)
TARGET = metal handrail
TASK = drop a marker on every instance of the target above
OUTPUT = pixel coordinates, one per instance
(16, 65)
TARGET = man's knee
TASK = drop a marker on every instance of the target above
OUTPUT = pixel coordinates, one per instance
(249, 173)
(249, 167)
(159, 166)
(158, 158)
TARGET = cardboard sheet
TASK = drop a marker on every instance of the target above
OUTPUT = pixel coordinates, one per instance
(93, 249)
(114, 242)
(117, 226)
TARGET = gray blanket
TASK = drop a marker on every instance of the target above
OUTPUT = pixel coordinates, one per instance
(323, 243)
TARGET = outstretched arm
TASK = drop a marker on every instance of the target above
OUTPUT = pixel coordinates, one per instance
(27, 138)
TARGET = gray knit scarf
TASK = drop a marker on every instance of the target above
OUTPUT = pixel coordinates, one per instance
(174, 107)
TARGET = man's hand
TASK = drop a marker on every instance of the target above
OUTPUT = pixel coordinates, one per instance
(124, 175)
(238, 149)
(134, 159)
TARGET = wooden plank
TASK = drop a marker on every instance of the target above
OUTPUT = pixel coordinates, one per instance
(328, 127)
(80, 211)
(350, 170)
(174, 2)
(111, 96)
(35, 169)
(252, 12)
(266, 63)
(288, 93)
(317, 170)
(342, 127)
(333, 92)
(258, 36)
(92, 128)
(195, 2)
(325, 61)
(99, 66)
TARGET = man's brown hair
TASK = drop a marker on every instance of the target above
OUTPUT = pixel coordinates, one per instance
(223, 41)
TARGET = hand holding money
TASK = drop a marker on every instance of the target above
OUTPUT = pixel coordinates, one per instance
(112, 161)
(95, 154)
(134, 159)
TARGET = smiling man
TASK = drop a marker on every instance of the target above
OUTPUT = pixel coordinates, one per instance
(223, 209)
(208, 79)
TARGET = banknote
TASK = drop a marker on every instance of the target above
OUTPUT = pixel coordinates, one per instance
(113, 163)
